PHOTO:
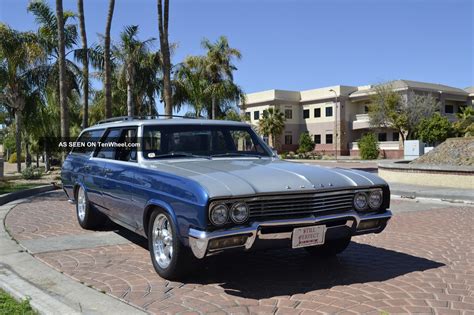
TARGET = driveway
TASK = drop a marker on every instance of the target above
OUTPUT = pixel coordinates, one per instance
(422, 263)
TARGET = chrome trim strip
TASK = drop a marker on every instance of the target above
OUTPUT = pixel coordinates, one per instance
(199, 240)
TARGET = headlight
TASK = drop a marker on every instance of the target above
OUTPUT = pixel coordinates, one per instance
(360, 201)
(375, 199)
(219, 214)
(239, 212)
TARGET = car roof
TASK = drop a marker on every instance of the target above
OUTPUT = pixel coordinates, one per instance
(166, 122)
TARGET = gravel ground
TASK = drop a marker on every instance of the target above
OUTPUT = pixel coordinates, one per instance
(454, 151)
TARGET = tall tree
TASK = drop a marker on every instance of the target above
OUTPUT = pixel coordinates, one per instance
(389, 109)
(132, 53)
(219, 67)
(18, 53)
(163, 17)
(62, 71)
(107, 61)
(85, 64)
(272, 124)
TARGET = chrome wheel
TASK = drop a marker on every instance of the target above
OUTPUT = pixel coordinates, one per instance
(81, 204)
(162, 241)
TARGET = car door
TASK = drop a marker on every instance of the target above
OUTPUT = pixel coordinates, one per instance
(120, 164)
(87, 171)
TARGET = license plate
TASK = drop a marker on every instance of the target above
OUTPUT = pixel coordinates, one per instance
(308, 236)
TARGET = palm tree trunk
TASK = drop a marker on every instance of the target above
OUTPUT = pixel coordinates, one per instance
(107, 67)
(213, 107)
(18, 139)
(163, 15)
(46, 156)
(85, 64)
(130, 109)
(64, 112)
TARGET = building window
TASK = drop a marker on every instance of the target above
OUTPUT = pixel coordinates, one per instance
(395, 136)
(328, 111)
(317, 112)
(317, 139)
(256, 115)
(366, 109)
(288, 114)
(382, 136)
(288, 139)
(329, 139)
(449, 109)
(305, 113)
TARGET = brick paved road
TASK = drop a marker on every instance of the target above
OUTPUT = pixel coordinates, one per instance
(422, 263)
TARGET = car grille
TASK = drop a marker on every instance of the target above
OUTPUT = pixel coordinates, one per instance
(300, 204)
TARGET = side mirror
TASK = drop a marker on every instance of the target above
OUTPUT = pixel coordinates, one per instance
(275, 152)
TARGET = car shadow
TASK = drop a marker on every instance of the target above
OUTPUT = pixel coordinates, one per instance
(270, 273)
(277, 272)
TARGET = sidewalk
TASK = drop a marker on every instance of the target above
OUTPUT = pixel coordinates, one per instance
(440, 193)
(50, 292)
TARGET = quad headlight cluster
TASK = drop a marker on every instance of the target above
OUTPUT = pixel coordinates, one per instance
(368, 200)
(220, 213)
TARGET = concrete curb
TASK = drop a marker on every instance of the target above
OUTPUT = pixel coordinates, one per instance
(49, 291)
(6, 198)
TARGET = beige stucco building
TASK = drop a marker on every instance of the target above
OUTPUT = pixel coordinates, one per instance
(336, 116)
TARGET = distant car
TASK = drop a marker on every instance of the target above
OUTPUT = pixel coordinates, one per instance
(198, 187)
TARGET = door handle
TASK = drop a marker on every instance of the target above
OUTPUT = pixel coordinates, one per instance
(87, 167)
(108, 171)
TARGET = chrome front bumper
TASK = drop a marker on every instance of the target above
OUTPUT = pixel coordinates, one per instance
(199, 240)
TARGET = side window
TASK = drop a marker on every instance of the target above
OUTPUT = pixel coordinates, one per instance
(129, 151)
(107, 149)
(87, 141)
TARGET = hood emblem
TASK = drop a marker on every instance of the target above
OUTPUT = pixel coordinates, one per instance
(302, 186)
(288, 187)
(330, 184)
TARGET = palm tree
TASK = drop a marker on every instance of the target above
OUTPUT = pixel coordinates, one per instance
(48, 73)
(272, 124)
(85, 64)
(62, 71)
(18, 54)
(192, 86)
(132, 53)
(219, 66)
(163, 17)
(107, 61)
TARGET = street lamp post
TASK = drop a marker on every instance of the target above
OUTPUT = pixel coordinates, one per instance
(335, 121)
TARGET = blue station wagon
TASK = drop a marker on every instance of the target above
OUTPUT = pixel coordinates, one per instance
(197, 187)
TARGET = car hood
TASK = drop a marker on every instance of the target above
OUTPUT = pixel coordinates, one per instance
(239, 177)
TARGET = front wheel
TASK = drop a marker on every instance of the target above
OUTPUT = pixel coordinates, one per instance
(330, 248)
(87, 217)
(170, 258)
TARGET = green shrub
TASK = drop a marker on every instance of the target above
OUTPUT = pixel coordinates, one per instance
(32, 173)
(306, 143)
(435, 129)
(12, 158)
(368, 147)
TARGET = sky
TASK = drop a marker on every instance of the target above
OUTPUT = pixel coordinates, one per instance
(303, 44)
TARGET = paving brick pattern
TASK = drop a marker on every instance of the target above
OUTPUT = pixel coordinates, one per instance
(423, 263)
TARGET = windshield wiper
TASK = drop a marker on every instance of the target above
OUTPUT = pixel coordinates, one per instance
(180, 154)
(236, 154)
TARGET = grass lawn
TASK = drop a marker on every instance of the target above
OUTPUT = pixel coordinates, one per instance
(8, 188)
(10, 306)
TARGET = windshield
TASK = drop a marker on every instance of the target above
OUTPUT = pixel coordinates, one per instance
(201, 141)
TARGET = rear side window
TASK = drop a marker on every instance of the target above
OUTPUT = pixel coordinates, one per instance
(118, 145)
(86, 142)
(106, 151)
